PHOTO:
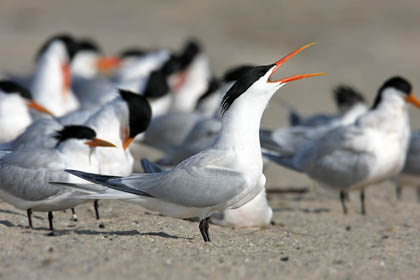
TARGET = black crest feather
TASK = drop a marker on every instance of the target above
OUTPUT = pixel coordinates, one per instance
(157, 85)
(234, 73)
(11, 87)
(70, 44)
(396, 82)
(140, 112)
(247, 79)
(132, 52)
(346, 96)
(88, 44)
(74, 132)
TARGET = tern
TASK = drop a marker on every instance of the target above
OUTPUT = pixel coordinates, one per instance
(52, 79)
(227, 175)
(371, 150)
(25, 174)
(15, 110)
(285, 141)
(350, 104)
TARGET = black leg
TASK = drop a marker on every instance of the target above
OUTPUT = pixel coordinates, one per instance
(204, 229)
(343, 203)
(50, 220)
(398, 191)
(73, 215)
(29, 213)
(96, 206)
(346, 196)
(418, 194)
(362, 201)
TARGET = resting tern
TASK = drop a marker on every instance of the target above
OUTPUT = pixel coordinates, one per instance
(51, 82)
(371, 150)
(350, 104)
(286, 141)
(15, 104)
(225, 176)
(25, 173)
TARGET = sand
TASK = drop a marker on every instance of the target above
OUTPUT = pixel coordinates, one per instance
(360, 43)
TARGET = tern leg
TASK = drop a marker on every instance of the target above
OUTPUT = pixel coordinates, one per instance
(347, 196)
(73, 215)
(204, 229)
(29, 213)
(96, 207)
(343, 203)
(418, 194)
(398, 191)
(50, 220)
(362, 202)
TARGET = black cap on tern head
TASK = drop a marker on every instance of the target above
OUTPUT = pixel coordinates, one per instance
(74, 132)
(246, 80)
(140, 112)
(234, 73)
(132, 52)
(345, 96)
(7, 87)
(397, 83)
(157, 85)
(88, 44)
(70, 44)
(190, 51)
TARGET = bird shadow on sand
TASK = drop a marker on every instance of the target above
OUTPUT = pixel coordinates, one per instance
(165, 235)
(19, 214)
(303, 210)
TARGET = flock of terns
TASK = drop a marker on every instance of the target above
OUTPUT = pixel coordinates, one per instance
(70, 128)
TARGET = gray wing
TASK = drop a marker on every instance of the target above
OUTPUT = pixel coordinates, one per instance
(93, 92)
(193, 187)
(339, 159)
(150, 167)
(25, 174)
(168, 131)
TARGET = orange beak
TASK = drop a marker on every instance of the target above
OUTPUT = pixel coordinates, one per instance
(65, 71)
(295, 77)
(411, 98)
(106, 65)
(180, 79)
(38, 107)
(127, 140)
(96, 142)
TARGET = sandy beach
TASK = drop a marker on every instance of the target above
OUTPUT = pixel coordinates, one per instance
(359, 43)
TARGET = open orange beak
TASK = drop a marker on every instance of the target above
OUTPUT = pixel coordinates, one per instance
(127, 139)
(38, 107)
(106, 65)
(295, 77)
(411, 98)
(66, 72)
(96, 142)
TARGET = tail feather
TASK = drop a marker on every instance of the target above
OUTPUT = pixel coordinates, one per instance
(266, 140)
(94, 191)
(150, 167)
(107, 181)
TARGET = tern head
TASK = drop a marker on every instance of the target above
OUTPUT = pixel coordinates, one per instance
(66, 39)
(233, 74)
(190, 51)
(140, 115)
(258, 80)
(346, 97)
(157, 85)
(10, 87)
(396, 86)
(79, 132)
(134, 52)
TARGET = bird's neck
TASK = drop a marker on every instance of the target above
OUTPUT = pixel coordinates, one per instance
(241, 124)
